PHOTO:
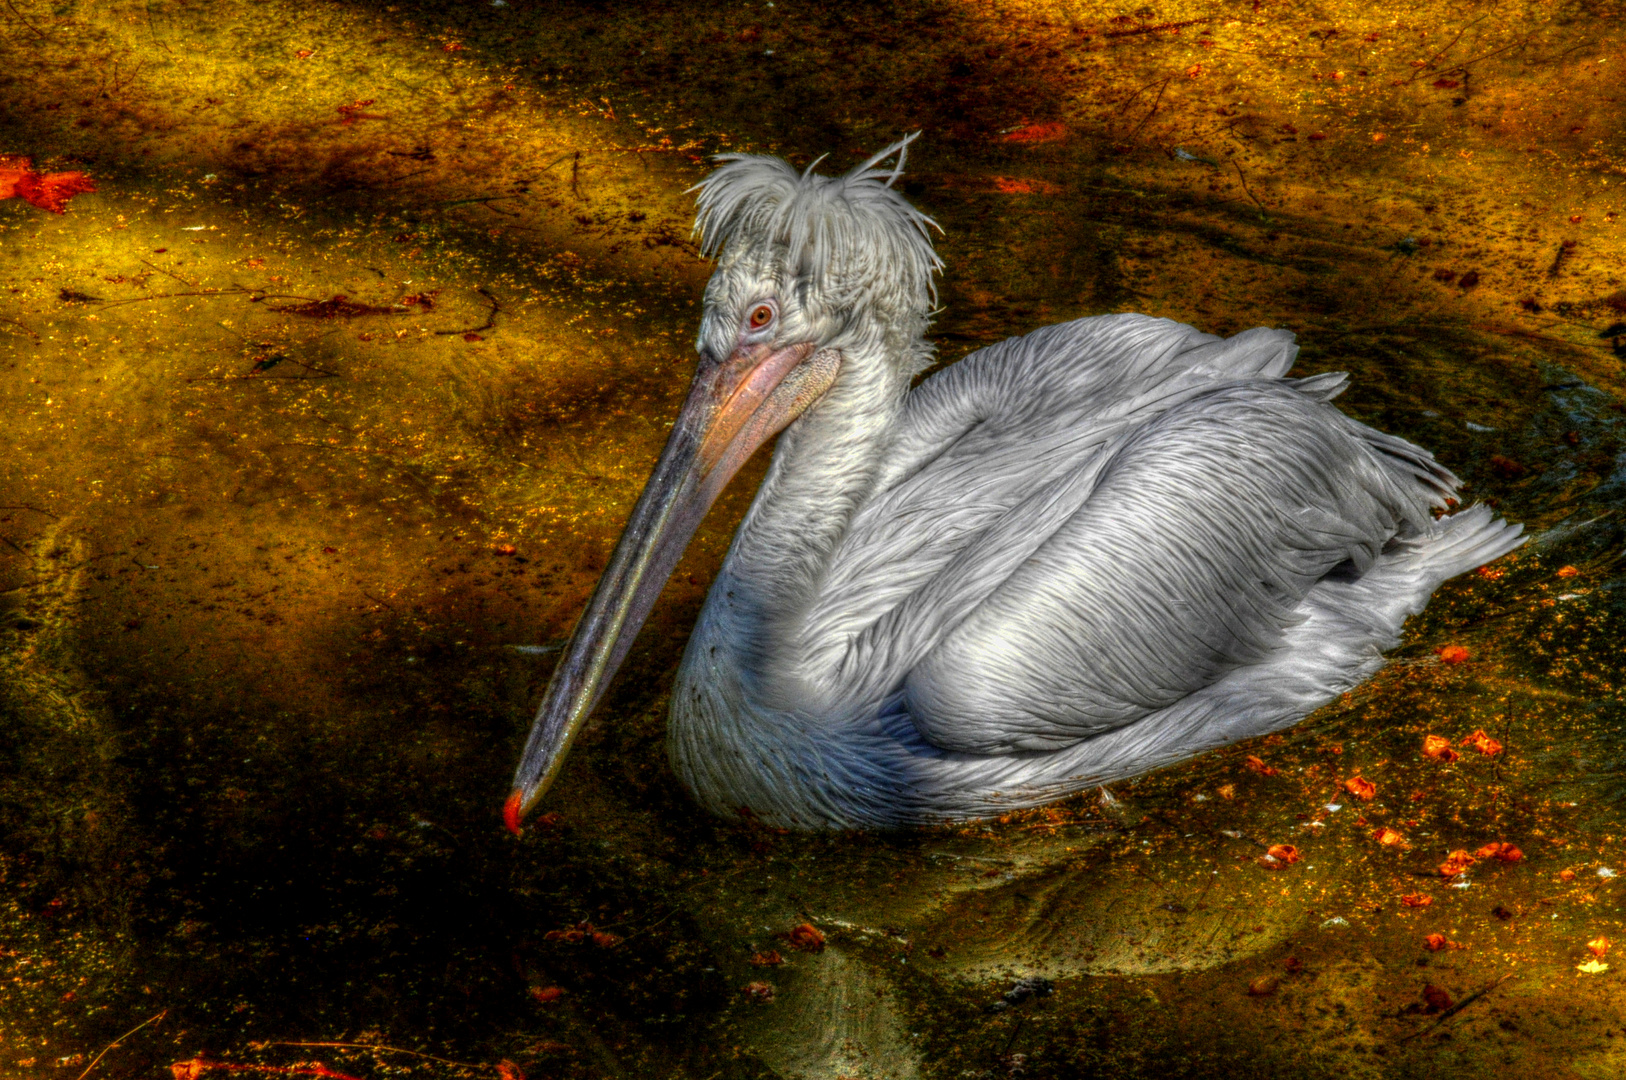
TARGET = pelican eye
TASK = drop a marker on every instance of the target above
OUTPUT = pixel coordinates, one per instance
(760, 316)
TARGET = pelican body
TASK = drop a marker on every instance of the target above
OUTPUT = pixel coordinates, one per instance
(1069, 558)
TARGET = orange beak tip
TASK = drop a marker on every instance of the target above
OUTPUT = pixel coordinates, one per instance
(511, 811)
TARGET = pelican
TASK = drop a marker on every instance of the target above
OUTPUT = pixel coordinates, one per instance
(1069, 558)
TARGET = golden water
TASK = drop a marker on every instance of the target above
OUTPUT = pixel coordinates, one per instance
(258, 701)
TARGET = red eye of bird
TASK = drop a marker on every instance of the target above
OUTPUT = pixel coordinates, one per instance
(761, 316)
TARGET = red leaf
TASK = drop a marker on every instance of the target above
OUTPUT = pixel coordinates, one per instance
(1042, 132)
(48, 191)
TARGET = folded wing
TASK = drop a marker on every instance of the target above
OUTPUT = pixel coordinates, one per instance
(1085, 525)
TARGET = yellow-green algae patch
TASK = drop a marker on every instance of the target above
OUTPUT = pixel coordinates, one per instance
(322, 412)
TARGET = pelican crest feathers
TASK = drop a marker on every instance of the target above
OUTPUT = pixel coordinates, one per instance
(836, 237)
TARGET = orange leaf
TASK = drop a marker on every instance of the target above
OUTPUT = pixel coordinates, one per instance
(1416, 900)
(1598, 945)
(1567, 571)
(1452, 654)
(1361, 788)
(1435, 942)
(1285, 852)
(1438, 747)
(48, 191)
(758, 991)
(767, 959)
(507, 1070)
(1388, 837)
(1566, 875)
(1455, 863)
(547, 995)
(1042, 132)
(806, 938)
(606, 940)
(1257, 764)
(1483, 743)
(1498, 850)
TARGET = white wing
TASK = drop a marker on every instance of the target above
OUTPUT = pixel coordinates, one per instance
(1082, 526)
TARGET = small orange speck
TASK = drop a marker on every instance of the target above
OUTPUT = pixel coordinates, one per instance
(1456, 863)
(1598, 946)
(1452, 654)
(1388, 837)
(1360, 787)
(806, 937)
(1438, 747)
(1567, 571)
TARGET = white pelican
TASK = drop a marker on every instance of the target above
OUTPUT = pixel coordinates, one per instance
(1071, 557)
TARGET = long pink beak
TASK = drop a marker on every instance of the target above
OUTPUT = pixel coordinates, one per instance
(734, 406)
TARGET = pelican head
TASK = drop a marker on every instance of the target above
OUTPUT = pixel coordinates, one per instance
(823, 285)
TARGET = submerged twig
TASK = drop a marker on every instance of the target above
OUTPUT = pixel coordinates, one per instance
(491, 317)
(120, 1039)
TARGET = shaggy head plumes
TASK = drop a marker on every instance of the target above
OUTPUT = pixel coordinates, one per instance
(835, 244)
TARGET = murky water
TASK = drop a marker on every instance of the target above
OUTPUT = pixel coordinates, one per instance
(322, 412)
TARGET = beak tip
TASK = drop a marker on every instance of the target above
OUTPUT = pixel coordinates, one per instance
(512, 810)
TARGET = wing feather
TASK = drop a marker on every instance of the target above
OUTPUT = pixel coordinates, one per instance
(1078, 527)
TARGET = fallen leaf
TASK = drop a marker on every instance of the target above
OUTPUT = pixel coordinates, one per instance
(1598, 946)
(504, 549)
(1042, 132)
(547, 995)
(1498, 850)
(1567, 571)
(1416, 900)
(767, 959)
(1256, 764)
(1011, 185)
(1592, 967)
(1227, 791)
(1437, 998)
(806, 938)
(1287, 853)
(606, 940)
(48, 191)
(1263, 985)
(1455, 863)
(1483, 743)
(760, 992)
(1491, 573)
(507, 1070)
(1388, 837)
(1361, 788)
(1435, 942)
(1452, 654)
(1566, 875)
(1438, 747)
